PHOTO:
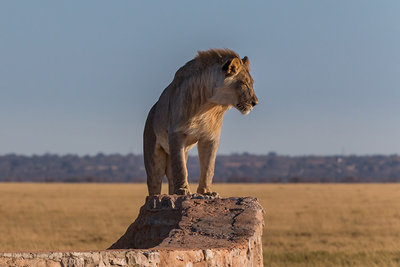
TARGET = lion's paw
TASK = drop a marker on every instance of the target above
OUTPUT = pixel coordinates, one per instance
(183, 191)
(212, 194)
(207, 192)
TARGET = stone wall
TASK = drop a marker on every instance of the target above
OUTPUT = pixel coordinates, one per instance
(173, 231)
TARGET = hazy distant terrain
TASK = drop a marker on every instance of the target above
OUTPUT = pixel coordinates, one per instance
(270, 168)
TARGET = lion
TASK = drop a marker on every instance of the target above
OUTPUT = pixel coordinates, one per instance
(189, 112)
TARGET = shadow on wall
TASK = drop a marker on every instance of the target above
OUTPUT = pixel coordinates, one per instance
(156, 220)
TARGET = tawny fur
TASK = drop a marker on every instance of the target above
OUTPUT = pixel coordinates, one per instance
(189, 112)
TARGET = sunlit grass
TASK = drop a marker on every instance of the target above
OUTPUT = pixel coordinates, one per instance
(305, 224)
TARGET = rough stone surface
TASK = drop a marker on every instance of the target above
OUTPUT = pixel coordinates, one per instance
(173, 230)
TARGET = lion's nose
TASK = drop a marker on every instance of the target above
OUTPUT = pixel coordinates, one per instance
(254, 102)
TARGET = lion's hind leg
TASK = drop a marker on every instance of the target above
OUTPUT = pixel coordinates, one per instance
(155, 158)
(170, 177)
(155, 163)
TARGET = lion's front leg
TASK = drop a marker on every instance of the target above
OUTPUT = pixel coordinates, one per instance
(207, 150)
(178, 163)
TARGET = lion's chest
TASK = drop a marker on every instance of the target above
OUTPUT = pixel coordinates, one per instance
(206, 124)
(203, 125)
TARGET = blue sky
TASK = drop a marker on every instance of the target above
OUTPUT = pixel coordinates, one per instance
(80, 76)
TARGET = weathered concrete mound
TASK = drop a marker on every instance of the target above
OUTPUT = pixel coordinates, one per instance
(174, 230)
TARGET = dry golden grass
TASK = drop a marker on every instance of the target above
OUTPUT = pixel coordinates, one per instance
(306, 224)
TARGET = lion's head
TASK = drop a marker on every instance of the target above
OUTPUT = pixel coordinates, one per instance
(236, 86)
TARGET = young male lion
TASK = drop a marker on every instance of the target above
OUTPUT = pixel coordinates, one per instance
(189, 112)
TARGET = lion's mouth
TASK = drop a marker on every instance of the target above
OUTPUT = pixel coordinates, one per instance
(243, 108)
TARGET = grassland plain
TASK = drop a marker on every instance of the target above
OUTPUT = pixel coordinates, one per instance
(305, 224)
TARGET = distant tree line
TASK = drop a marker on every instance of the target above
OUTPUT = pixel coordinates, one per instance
(246, 168)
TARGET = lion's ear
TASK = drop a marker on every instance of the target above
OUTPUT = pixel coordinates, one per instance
(232, 66)
(246, 62)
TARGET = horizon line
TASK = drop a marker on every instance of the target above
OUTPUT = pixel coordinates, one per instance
(270, 153)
